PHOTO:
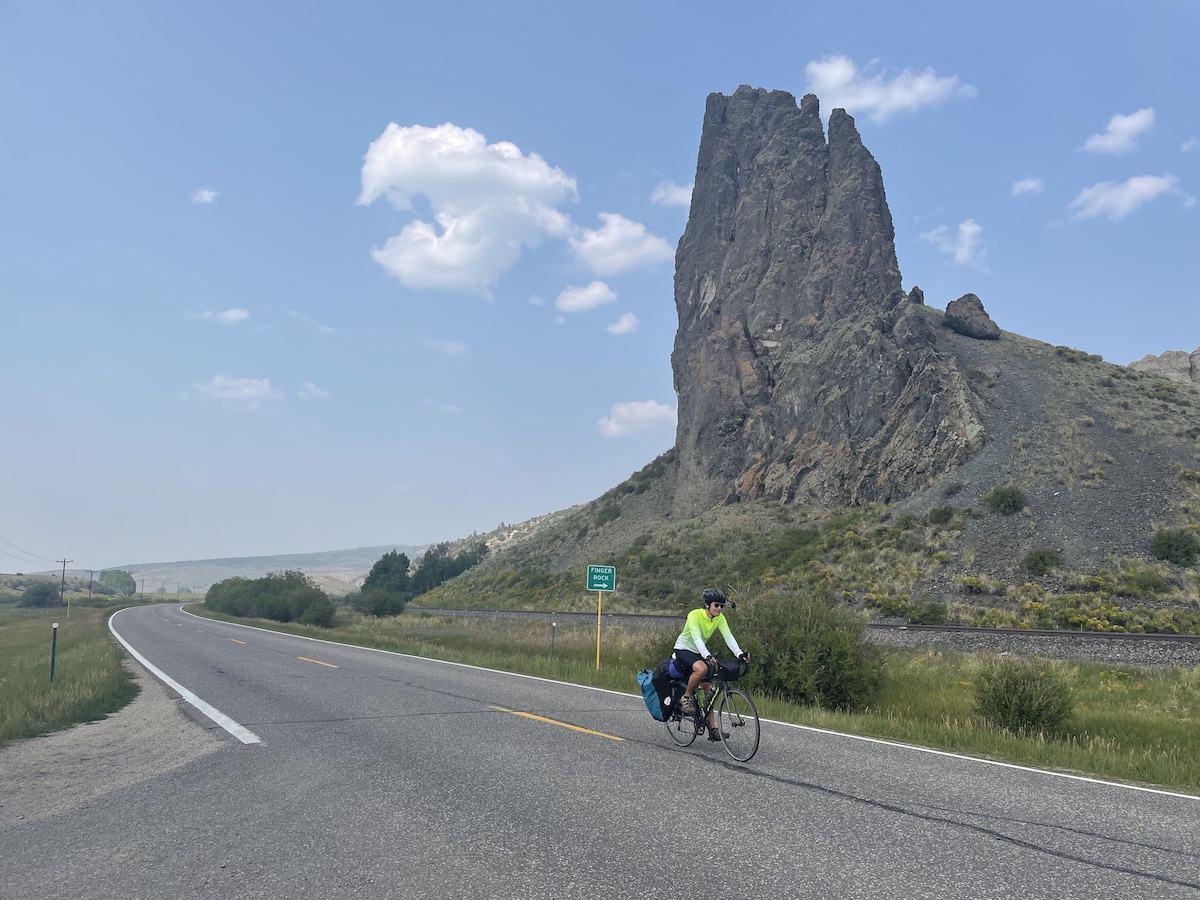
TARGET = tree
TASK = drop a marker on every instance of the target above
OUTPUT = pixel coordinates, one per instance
(120, 581)
(41, 594)
(390, 573)
(387, 588)
(437, 565)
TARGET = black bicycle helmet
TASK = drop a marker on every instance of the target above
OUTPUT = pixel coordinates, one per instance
(713, 595)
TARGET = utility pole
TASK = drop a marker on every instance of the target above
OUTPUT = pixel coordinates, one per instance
(62, 590)
(90, 571)
(142, 592)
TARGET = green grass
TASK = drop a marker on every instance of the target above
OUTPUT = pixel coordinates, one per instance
(1129, 725)
(89, 680)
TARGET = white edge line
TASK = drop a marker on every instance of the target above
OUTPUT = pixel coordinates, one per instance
(240, 732)
(842, 734)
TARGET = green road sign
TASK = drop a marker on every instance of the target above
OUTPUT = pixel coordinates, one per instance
(601, 578)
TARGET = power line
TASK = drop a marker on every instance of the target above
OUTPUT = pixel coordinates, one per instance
(25, 554)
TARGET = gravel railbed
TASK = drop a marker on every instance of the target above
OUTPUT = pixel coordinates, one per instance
(1144, 652)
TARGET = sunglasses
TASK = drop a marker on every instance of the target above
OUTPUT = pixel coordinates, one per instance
(717, 604)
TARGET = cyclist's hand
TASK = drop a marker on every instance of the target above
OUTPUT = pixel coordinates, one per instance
(745, 657)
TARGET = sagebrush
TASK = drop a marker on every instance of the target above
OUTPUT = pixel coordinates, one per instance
(1025, 697)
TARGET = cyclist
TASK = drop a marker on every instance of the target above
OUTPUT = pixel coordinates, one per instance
(692, 654)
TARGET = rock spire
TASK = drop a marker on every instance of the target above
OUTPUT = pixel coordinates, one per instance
(802, 370)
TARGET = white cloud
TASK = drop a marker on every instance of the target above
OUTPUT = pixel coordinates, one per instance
(965, 244)
(1122, 133)
(624, 325)
(1028, 186)
(635, 416)
(1116, 201)
(225, 317)
(204, 195)
(619, 245)
(1190, 144)
(488, 201)
(581, 299)
(668, 193)
(310, 391)
(446, 348)
(248, 392)
(839, 83)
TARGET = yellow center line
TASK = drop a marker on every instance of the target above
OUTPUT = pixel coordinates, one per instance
(236, 641)
(526, 715)
(317, 661)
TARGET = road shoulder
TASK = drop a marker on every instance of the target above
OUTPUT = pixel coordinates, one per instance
(56, 773)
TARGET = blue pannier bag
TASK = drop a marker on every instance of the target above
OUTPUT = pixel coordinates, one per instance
(650, 694)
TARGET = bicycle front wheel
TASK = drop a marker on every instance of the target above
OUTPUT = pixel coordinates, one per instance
(682, 729)
(737, 720)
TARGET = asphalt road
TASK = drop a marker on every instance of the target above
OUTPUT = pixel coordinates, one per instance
(378, 775)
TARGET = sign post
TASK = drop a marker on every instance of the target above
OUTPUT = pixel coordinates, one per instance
(600, 579)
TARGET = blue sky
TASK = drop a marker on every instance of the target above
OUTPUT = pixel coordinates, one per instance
(283, 278)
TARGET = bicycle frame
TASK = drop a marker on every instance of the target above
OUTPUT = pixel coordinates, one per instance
(714, 686)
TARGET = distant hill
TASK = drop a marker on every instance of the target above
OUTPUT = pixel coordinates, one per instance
(336, 571)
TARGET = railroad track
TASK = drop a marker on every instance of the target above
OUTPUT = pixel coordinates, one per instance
(536, 615)
(1115, 648)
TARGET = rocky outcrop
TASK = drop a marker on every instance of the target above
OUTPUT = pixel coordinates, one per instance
(967, 316)
(1174, 365)
(802, 372)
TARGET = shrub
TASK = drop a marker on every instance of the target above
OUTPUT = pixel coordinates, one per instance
(929, 612)
(940, 515)
(1041, 561)
(281, 596)
(1140, 582)
(40, 594)
(608, 512)
(1023, 696)
(807, 649)
(952, 488)
(378, 602)
(1005, 500)
(1176, 545)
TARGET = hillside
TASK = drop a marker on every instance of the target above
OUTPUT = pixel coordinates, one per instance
(836, 432)
(1105, 457)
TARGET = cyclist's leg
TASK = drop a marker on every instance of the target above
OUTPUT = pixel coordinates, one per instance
(685, 659)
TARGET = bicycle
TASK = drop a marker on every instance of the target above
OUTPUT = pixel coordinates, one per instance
(736, 717)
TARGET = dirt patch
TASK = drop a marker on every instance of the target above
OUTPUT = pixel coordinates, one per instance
(50, 775)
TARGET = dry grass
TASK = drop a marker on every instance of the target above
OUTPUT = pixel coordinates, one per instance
(89, 680)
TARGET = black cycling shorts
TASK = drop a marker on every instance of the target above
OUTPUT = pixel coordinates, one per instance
(684, 660)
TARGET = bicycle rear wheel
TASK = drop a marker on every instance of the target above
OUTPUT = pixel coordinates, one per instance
(682, 729)
(737, 720)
